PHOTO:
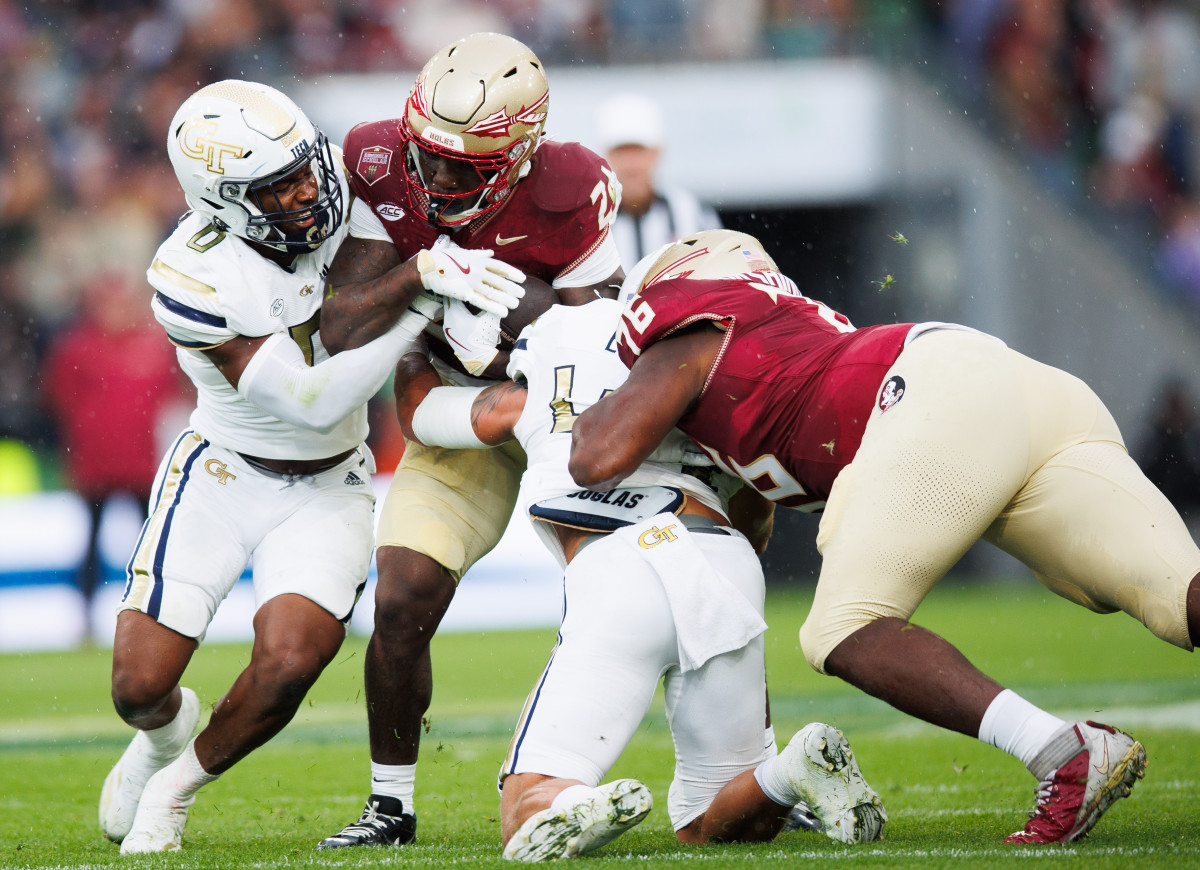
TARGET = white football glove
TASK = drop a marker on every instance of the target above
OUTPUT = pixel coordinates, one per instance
(678, 449)
(470, 276)
(427, 305)
(472, 336)
(420, 312)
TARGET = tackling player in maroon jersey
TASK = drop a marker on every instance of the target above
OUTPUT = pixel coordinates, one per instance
(918, 440)
(466, 176)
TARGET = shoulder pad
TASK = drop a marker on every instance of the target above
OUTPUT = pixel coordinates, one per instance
(372, 152)
(185, 277)
(564, 176)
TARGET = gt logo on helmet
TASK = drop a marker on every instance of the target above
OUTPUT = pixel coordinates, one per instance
(195, 141)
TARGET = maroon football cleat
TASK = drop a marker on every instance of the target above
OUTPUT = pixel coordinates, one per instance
(1083, 769)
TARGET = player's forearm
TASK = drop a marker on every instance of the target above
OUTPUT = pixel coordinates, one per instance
(601, 457)
(355, 314)
(415, 377)
(365, 296)
(319, 397)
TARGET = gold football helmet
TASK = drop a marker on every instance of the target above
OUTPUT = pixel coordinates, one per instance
(479, 102)
(708, 254)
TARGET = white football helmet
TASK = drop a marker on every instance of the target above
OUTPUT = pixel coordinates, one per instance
(703, 255)
(482, 100)
(231, 141)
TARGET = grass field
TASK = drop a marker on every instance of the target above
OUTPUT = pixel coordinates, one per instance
(951, 800)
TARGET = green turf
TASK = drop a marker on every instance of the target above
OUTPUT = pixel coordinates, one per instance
(950, 799)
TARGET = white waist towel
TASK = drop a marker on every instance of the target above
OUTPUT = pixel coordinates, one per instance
(711, 616)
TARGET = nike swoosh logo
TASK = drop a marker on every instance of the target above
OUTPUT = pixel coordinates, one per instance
(503, 241)
(466, 270)
(451, 338)
(1102, 769)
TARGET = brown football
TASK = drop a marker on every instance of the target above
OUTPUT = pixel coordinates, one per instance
(538, 297)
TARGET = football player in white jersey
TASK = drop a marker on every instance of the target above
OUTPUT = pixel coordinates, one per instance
(273, 464)
(657, 585)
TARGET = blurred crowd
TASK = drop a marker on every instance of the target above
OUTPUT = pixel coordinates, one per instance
(1101, 100)
(1099, 97)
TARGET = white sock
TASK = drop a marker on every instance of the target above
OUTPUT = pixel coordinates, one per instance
(395, 780)
(772, 778)
(769, 744)
(186, 774)
(570, 796)
(1019, 728)
(166, 739)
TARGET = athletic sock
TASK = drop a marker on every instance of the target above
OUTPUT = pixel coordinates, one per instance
(770, 746)
(772, 778)
(166, 740)
(186, 775)
(570, 796)
(1019, 728)
(395, 780)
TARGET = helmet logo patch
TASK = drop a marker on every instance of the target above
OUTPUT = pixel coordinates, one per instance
(499, 123)
(195, 140)
(374, 163)
(893, 392)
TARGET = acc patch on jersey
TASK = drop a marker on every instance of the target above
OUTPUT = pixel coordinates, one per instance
(374, 163)
(893, 392)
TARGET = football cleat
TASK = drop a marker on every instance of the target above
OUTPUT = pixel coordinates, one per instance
(161, 817)
(383, 823)
(1093, 766)
(611, 810)
(822, 768)
(141, 760)
(801, 818)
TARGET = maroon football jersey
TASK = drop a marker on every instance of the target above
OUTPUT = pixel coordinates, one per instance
(552, 220)
(786, 403)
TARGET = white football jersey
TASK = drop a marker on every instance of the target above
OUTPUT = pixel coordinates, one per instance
(567, 359)
(213, 286)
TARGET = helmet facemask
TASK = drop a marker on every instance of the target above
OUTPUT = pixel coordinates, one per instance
(491, 174)
(267, 216)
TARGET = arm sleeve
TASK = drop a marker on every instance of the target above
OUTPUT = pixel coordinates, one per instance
(319, 397)
(600, 263)
(443, 419)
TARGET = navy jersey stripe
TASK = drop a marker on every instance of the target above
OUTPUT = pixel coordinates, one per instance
(188, 312)
(189, 345)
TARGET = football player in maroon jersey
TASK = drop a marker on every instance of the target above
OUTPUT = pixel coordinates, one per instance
(467, 160)
(917, 440)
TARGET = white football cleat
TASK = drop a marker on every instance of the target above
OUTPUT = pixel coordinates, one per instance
(161, 817)
(609, 811)
(821, 767)
(141, 760)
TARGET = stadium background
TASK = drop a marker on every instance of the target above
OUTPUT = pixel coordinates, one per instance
(1027, 168)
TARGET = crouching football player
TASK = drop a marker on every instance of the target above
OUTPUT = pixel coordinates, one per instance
(657, 586)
